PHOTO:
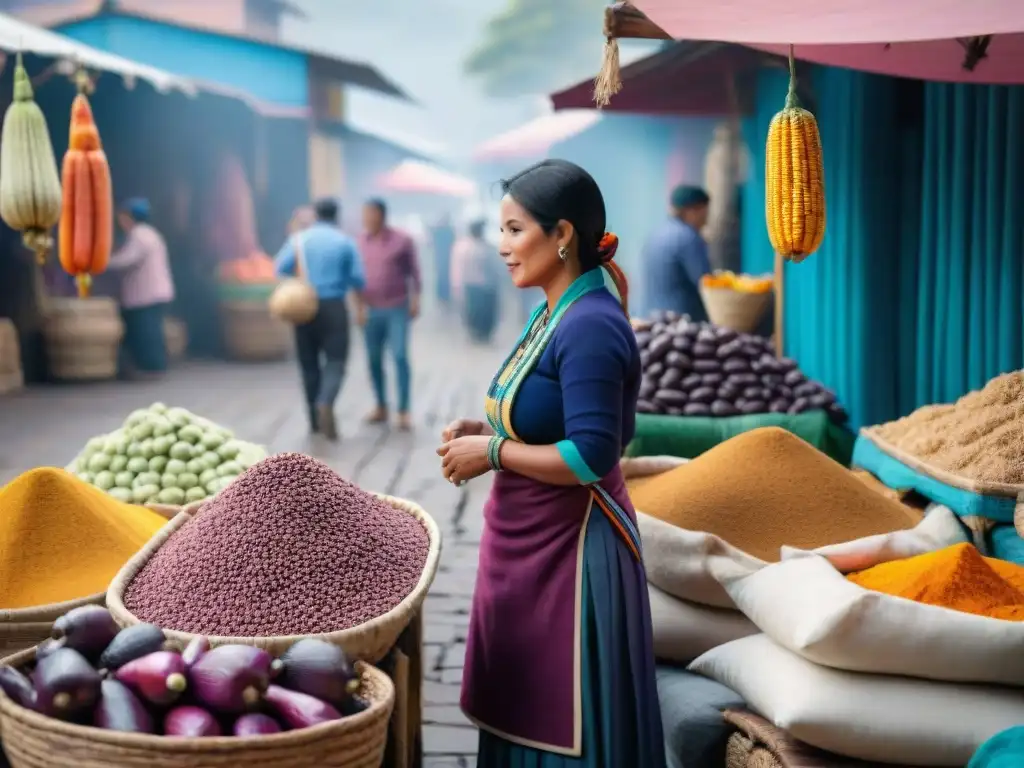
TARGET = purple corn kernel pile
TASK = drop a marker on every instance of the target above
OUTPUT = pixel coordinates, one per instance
(288, 548)
(700, 369)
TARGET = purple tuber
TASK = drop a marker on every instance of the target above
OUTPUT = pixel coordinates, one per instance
(256, 724)
(299, 710)
(190, 722)
(158, 677)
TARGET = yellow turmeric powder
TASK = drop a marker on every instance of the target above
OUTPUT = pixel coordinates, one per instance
(956, 577)
(62, 539)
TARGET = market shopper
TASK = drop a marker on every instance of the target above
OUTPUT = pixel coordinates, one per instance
(559, 663)
(476, 282)
(675, 257)
(147, 287)
(442, 238)
(330, 261)
(389, 303)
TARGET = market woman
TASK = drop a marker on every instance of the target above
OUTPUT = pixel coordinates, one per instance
(559, 665)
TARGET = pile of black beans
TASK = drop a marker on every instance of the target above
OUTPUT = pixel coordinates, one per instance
(700, 369)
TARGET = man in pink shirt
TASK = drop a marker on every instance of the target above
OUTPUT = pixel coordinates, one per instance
(390, 300)
(146, 288)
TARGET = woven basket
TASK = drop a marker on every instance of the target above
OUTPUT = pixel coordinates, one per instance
(251, 334)
(369, 641)
(11, 377)
(34, 741)
(24, 628)
(82, 338)
(734, 309)
(743, 752)
(175, 338)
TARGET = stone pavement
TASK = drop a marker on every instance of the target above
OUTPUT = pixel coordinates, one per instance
(262, 403)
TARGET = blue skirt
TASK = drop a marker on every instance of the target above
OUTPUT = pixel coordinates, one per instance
(621, 713)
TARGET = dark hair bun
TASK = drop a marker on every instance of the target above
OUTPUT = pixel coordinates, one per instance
(607, 247)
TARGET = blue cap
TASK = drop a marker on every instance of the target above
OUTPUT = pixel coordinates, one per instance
(685, 196)
(137, 207)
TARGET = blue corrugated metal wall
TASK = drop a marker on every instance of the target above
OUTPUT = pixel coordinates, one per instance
(267, 73)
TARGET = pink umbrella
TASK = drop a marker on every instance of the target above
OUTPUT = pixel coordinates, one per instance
(413, 176)
(535, 138)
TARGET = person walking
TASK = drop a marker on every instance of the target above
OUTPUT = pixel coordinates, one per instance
(476, 282)
(330, 261)
(675, 257)
(442, 237)
(147, 287)
(559, 669)
(388, 304)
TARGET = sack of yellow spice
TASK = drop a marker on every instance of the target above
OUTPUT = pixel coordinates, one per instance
(946, 615)
(956, 577)
(62, 539)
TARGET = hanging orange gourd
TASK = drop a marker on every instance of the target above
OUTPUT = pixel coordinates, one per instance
(87, 220)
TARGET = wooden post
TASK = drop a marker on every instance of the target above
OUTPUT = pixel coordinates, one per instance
(780, 292)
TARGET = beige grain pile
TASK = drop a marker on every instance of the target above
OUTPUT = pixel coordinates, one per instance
(766, 489)
(980, 437)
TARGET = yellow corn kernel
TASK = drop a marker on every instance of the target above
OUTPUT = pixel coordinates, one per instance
(794, 180)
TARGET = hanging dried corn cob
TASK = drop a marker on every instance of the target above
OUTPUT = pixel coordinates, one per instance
(87, 224)
(794, 179)
(30, 194)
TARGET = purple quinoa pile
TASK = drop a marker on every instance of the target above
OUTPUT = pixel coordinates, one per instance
(288, 548)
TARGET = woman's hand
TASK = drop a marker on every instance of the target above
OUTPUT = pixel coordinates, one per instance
(464, 458)
(464, 428)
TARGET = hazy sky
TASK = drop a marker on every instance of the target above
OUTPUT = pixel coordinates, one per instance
(421, 45)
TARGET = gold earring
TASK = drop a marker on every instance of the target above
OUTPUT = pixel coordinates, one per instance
(563, 253)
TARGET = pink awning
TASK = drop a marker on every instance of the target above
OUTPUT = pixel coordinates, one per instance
(825, 22)
(920, 39)
(940, 60)
(536, 137)
(412, 176)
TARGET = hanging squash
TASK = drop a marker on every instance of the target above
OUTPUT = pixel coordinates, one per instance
(794, 179)
(87, 223)
(30, 194)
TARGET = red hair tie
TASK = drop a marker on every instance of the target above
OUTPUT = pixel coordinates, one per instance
(607, 247)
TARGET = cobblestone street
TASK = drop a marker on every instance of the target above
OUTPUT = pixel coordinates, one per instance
(47, 425)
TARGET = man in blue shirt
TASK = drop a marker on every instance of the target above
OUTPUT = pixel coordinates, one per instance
(675, 257)
(329, 260)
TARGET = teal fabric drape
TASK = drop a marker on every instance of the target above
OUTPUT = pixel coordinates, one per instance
(970, 284)
(916, 295)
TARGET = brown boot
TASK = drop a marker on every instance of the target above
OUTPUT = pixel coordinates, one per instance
(404, 422)
(377, 416)
(325, 422)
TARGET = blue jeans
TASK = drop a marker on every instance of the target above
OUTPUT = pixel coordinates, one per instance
(144, 345)
(389, 328)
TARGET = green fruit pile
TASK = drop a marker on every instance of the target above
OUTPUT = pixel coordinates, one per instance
(165, 455)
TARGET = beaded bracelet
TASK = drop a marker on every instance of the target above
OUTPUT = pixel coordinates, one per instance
(494, 452)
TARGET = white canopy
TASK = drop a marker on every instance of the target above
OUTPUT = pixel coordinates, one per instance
(18, 36)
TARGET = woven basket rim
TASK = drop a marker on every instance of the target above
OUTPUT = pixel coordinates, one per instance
(380, 704)
(406, 607)
(48, 612)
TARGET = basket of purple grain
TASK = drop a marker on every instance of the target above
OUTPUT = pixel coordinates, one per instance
(289, 550)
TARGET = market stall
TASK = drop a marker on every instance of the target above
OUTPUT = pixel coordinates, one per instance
(148, 625)
(251, 332)
(821, 631)
(704, 383)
